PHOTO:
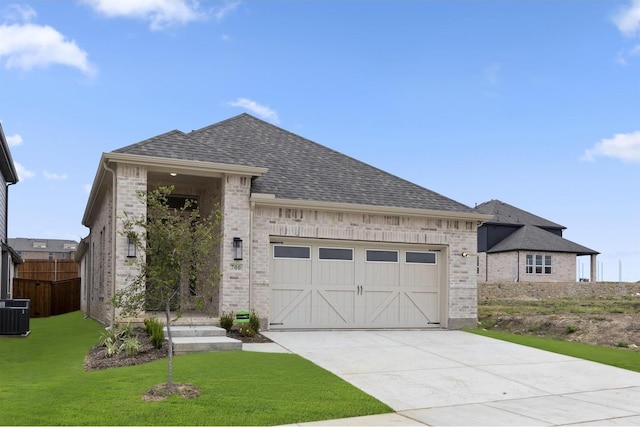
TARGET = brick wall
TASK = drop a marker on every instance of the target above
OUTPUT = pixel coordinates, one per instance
(511, 267)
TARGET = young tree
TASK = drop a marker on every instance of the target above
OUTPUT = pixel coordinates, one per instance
(177, 267)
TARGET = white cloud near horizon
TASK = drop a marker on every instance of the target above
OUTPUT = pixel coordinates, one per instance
(161, 14)
(14, 140)
(259, 110)
(25, 45)
(623, 146)
(54, 176)
(23, 173)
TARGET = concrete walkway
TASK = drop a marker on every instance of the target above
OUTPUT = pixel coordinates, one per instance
(445, 378)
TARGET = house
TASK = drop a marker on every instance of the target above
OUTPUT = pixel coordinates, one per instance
(51, 249)
(8, 177)
(518, 246)
(310, 237)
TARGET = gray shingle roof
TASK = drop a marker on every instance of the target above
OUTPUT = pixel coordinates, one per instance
(532, 238)
(504, 213)
(299, 169)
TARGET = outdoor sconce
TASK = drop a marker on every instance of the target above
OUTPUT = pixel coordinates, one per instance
(131, 248)
(237, 249)
(464, 254)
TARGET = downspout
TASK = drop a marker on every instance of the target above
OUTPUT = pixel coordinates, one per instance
(113, 238)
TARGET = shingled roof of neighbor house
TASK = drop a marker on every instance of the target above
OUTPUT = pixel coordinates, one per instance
(298, 168)
(532, 238)
(504, 213)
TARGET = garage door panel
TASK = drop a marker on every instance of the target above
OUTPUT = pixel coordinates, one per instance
(292, 306)
(381, 307)
(382, 274)
(417, 274)
(335, 273)
(419, 307)
(291, 271)
(335, 307)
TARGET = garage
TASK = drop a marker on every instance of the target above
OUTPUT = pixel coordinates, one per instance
(319, 284)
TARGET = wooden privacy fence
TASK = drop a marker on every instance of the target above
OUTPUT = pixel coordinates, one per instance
(48, 269)
(48, 298)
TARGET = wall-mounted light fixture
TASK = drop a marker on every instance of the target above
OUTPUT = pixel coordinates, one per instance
(131, 248)
(464, 254)
(173, 174)
(237, 248)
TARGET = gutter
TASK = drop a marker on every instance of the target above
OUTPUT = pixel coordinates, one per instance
(113, 236)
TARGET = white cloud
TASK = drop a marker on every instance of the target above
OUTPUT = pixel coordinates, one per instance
(18, 13)
(54, 176)
(260, 110)
(222, 12)
(27, 46)
(628, 19)
(14, 140)
(160, 14)
(23, 173)
(623, 146)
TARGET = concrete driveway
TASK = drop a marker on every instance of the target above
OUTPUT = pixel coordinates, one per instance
(458, 378)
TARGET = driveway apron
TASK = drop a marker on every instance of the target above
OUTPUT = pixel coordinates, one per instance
(457, 378)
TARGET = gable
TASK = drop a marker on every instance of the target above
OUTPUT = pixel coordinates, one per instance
(532, 238)
(504, 213)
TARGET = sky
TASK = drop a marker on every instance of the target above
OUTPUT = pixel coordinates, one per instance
(534, 103)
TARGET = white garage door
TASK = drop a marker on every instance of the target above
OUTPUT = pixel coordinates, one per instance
(354, 285)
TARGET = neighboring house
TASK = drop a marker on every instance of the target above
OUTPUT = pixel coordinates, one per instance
(518, 246)
(9, 176)
(326, 240)
(50, 249)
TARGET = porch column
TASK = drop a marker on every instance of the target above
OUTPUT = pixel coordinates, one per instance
(234, 284)
(593, 265)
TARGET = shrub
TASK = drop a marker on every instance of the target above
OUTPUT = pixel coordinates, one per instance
(622, 344)
(570, 329)
(226, 320)
(131, 346)
(247, 331)
(112, 347)
(254, 321)
(155, 329)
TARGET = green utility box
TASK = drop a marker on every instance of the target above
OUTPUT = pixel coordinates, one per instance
(242, 316)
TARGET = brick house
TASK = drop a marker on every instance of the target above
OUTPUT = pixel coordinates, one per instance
(518, 246)
(51, 249)
(328, 241)
(9, 258)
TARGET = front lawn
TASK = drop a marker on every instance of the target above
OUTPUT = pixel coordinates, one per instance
(619, 357)
(43, 383)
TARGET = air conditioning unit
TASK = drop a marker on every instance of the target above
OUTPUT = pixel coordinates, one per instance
(14, 317)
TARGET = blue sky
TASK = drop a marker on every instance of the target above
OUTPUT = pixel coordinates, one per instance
(535, 103)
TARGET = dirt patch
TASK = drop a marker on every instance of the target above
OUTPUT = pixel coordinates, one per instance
(164, 391)
(611, 329)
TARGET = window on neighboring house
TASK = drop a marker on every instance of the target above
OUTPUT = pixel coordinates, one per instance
(542, 264)
(50, 255)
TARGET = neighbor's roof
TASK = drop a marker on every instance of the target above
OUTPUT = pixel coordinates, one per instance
(504, 213)
(298, 169)
(22, 244)
(532, 238)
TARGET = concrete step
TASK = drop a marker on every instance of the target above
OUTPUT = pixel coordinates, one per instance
(195, 331)
(185, 345)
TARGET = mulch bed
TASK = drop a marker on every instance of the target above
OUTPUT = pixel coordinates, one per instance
(97, 358)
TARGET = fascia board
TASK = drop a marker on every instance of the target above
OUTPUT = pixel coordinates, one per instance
(191, 167)
(270, 200)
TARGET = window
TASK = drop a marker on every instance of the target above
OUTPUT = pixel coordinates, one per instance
(376, 255)
(335, 254)
(292, 252)
(420, 257)
(542, 264)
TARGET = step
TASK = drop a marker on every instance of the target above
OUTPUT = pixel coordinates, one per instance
(185, 345)
(196, 331)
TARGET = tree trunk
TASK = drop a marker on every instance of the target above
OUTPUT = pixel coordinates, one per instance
(167, 313)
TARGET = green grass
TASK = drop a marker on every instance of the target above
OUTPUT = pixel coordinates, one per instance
(43, 383)
(619, 357)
